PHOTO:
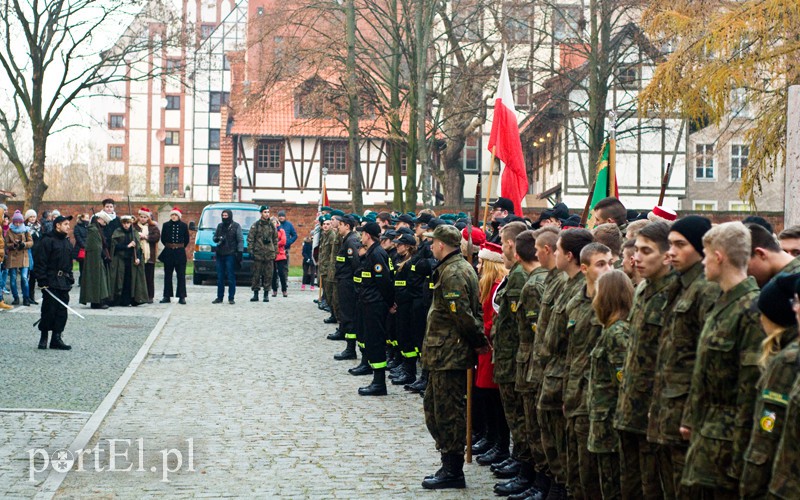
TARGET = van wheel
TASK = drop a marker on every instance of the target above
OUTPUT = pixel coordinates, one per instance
(197, 279)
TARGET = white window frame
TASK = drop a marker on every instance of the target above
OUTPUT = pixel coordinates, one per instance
(713, 166)
(747, 206)
(713, 204)
(739, 157)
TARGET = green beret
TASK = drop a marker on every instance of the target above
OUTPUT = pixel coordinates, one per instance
(356, 217)
(370, 217)
(326, 209)
(337, 212)
(320, 219)
(326, 217)
(461, 215)
(263, 207)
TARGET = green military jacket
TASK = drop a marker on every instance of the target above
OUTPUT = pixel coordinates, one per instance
(792, 267)
(647, 317)
(455, 318)
(723, 392)
(553, 286)
(324, 261)
(505, 330)
(555, 347)
(262, 240)
(605, 376)
(785, 482)
(769, 417)
(336, 240)
(694, 297)
(583, 330)
(530, 302)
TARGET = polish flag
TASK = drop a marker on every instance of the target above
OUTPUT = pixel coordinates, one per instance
(506, 143)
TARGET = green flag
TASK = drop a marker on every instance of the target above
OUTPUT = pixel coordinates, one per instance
(601, 187)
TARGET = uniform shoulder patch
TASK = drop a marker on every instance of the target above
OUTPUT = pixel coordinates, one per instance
(349, 251)
(767, 421)
(452, 295)
(513, 306)
(378, 268)
(619, 374)
(452, 307)
(775, 397)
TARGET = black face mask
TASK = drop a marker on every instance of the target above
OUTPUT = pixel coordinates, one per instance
(227, 220)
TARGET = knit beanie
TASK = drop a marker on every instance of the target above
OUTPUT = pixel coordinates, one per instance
(693, 228)
(775, 301)
(30, 213)
(17, 217)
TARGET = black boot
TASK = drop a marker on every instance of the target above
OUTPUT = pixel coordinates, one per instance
(482, 445)
(337, 335)
(508, 470)
(420, 384)
(395, 360)
(56, 343)
(451, 474)
(378, 385)
(409, 374)
(348, 353)
(497, 454)
(330, 320)
(557, 492)
(363, 368)
(539, 490)
(255, 296)
(43, 340)
(522, 481)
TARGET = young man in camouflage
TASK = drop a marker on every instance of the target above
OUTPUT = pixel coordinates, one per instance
(583, 331)
(550, 405)
(335, 240)
(693, 298)
(454, 333)
(723, 393)
(262, 244)
(528, 317)
(767, 258)
(505, 341)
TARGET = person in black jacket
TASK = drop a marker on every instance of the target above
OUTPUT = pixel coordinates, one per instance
(347, 262)
(408, 308)
(230, 246)
(79, 232)
(54, 275)
(175, 238)
(375, 298)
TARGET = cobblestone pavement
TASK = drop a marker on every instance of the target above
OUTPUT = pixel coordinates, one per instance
(250, 399)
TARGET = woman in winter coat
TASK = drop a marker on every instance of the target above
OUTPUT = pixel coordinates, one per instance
(281, 264)
(18, 241)
(94, 276)
(128, 285)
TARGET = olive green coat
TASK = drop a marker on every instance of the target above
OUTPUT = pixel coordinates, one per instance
(583, 330)
(139, 292)
(530, 302)
(605, 376)
(94, 277)
(262, 241)
(505, 329)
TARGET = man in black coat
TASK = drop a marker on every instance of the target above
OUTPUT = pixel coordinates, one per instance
(53, 271)
(175, 238)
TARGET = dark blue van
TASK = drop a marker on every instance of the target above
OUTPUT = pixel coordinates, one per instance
(204, 257)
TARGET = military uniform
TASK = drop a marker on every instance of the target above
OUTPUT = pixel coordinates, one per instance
(335, 241)
(769, 417)
(785, 482)
(505, 341)
(605, 376)
(583, 330)
(694, 297)
(637, 456)
(262, 245)
(551, 401)
(528, 310)
(723, 393)
(347, 264)
(374, 299)
(454, 330)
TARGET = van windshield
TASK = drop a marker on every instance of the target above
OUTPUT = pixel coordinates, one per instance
(245, 218)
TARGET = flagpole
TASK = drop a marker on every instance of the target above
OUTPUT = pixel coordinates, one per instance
(612, 156)
(489, 188)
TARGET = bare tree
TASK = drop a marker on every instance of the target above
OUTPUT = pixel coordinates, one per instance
(50, 60)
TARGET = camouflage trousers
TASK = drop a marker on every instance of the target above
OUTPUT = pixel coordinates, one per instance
(637, 464)
(669, 467)
(262, 275)
(329, 290)
(534, 431)
(608, 469)
(445, 407)
(515, 416)
(582, 472)
(554, 442)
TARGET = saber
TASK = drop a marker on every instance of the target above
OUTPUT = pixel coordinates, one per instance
(73, 311)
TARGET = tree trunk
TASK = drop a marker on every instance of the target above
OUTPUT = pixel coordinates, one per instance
(36, 187)
(353, 112)
(422, 31)
(453, 178)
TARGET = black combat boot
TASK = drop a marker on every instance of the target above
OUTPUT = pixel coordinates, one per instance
(482, 445)
(363, 368)
(451, 475)
(541, 485)
(508, 470)
(348, 353)
(395, 360)
(330, 320)
(420, 384)
(520, 483)
(337, 335)
(266, 296)
(378, 385)
(497, 454)
(56, 343)
(43, 340)
(409, 374)
(255, 296)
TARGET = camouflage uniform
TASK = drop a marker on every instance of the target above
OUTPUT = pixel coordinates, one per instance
(785, 482)
(335, 241)
(723, 393)
(605, 376)
(769, 417)
(505, 341)
(454, 330)
(324, 262)
(262, 244)
(527, 317)
(637, 456)
(550, 404)
(583, 330)
(694, 297)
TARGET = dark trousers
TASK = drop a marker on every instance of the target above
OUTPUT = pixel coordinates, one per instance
(534, 431)
(226, 268)
(608, 469)
(488, 402)
(374, 334)
(149, 277)
(179, 268)
(282, 272)
(309, 272)
(346, 310)
(445, 406)
(638, 477)
(515, 416)
(554, 442)
(410, 327)
(54, 315)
